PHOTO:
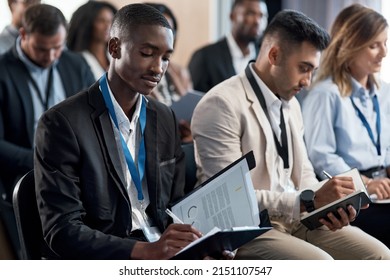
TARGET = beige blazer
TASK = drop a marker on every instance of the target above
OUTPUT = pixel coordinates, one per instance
(229, 122)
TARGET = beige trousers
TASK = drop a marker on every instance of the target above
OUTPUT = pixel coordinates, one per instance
(299, 243)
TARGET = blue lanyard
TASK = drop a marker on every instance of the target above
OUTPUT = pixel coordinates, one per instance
(376, 143)
(136, 176)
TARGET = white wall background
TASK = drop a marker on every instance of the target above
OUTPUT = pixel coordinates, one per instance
(221, 24)
(66, 6)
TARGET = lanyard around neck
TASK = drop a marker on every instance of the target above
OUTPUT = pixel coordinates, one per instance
(376, 143)
(282, 149)
(44, 101)
(136, 175)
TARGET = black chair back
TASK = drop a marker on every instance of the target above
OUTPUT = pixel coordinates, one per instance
(27, 218)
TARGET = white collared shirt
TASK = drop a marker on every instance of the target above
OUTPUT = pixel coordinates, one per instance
(239, 60)
(131, 133)
(280, 178)
(40, 76)
(94, 64)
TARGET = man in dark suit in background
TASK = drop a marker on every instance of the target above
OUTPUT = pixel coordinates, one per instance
(108, 161)
(217, 62)
(34, 75)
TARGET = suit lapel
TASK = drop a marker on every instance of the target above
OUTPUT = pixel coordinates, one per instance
(262, 121)
(65, 73)
(152, 160)
(103, 127)
(226, 59)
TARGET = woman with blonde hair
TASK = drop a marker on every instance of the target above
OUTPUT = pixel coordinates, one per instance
(347, 116)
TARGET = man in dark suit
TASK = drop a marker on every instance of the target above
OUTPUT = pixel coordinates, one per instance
(108, 161)
(219, 61)
(34, 75)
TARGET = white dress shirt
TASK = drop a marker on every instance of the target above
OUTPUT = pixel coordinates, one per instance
(240, 61)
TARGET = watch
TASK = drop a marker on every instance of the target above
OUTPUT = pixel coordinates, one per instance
(307, 198)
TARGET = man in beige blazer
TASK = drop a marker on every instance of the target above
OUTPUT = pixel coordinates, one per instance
(256, 110)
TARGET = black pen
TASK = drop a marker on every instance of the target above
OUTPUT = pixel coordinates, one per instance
(327, 174)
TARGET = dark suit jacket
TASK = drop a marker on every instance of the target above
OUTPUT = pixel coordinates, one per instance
(211, 65)
(82, 197)
(17, 115)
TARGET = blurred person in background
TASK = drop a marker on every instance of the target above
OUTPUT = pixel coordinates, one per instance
(11, 32)
(89, 32)
(219, 61)
(177, 80)
(347, 115)
(35, 74)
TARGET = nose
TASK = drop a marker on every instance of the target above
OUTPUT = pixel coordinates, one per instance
(50, 55)
(306, 80)
(384, 50)
(159, 66)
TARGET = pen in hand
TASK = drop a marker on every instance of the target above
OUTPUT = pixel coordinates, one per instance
(175, 218)
(327, 174)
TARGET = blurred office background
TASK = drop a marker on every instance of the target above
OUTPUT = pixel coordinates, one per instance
(204, 21)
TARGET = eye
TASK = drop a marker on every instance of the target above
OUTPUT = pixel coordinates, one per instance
(373, 46)
(304, 68)
(146, 54)
(167, 58)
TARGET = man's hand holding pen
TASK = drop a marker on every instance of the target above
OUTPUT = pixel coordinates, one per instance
(226, 253)
(333, 189)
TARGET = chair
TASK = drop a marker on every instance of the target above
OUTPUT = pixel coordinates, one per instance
(27, 218)
(190, 180)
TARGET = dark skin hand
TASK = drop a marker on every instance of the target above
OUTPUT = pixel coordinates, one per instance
(174, 238)
(333, 189)
(185, 131)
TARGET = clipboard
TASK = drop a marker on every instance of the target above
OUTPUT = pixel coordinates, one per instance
(225, 208)
(228, 193)
(220, 240)
(250, 159)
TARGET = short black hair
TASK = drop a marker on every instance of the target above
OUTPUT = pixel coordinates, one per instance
(43, 19)
(294, 27)
(134, 15)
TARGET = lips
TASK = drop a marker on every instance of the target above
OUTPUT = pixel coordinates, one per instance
(297, 89)
(152, 80)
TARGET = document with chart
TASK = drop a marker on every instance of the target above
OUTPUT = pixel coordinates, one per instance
(224, 209)
(225, 201)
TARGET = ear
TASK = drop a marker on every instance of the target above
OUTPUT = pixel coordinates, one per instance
(232, 16)
(114, 47)
(274, 55)
(22, 33)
